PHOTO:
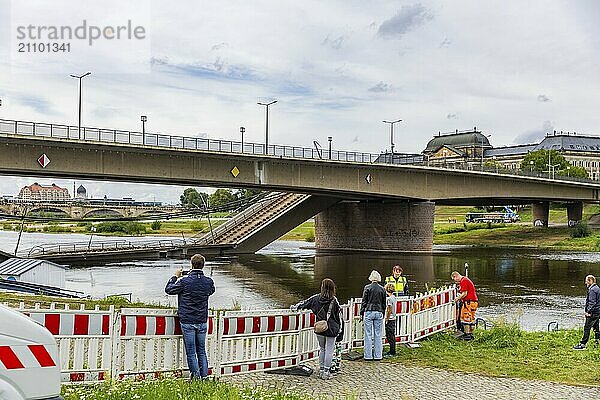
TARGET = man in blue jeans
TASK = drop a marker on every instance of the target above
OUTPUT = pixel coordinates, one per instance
(192, 293)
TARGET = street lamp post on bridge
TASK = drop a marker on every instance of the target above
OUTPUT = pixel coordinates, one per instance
(392, 135)
(242, 130)
(267, 124)
(144, 118)
(80, 77)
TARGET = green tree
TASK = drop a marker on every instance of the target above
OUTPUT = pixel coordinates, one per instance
(537, 161)
(490, 165)
(221, 197)
(192, 198)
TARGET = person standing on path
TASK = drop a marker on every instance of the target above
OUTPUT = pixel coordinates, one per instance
(192, 293)
(592, 313)
(371, 312)
(326, 307)
(390, 319)
(468, 302)
(400, 282)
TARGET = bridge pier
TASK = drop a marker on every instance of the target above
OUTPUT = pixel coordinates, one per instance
(392, 226)
(540, 211)
(574, 213)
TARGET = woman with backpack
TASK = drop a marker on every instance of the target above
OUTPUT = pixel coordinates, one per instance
(328, 325)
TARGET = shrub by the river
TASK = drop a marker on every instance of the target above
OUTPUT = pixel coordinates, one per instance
(582, 229)
(125, 227)
(172, 389)
(155, 226)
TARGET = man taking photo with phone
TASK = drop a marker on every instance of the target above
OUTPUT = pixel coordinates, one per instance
(192, 293)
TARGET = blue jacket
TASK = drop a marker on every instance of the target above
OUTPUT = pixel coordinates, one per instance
(192, 293)
(592, 302)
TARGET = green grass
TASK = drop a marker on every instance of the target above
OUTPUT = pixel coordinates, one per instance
(507, 351)
(172, 389)
(303, 232)
(554, 238)
(14, 299)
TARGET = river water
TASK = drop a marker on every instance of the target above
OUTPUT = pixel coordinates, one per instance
(532, 287)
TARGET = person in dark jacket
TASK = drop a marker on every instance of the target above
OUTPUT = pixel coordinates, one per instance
(372, 307)
(321, 304)
(592, 313)
(192, 293)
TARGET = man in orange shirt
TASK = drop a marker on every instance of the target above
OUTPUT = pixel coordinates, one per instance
(468, 302)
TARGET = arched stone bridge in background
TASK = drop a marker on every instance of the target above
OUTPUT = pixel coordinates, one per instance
(82, 210)
(358, 200)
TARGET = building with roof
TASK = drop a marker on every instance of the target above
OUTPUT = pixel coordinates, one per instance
(579, 150)
(37, 192)
(459, 149)
(81, 193)
(40, 272)
(471, 149)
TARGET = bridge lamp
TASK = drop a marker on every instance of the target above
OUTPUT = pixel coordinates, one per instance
(144, 118)
(267, 124)
(80, 77)
(329, 138)
(568, 170)
(392, 134)
(242, 130)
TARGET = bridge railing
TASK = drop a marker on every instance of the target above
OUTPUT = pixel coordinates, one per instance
(69, 132)
(112, 245)
(96, 345)
(206, 238)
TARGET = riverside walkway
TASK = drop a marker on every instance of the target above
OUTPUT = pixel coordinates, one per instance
(373, 381)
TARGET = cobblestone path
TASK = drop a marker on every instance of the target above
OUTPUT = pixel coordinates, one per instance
(372, 380)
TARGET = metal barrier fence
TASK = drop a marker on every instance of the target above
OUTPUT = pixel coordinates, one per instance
(136, 343)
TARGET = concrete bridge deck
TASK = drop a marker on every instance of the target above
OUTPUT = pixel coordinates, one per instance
(111, 157)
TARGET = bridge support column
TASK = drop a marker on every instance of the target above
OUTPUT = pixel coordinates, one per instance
(574, 213)
(540, 211)
(376, 226)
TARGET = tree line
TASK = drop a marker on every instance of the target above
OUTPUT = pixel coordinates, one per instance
(192, 198)
(537, 161)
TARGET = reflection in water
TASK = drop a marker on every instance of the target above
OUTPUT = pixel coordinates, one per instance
(535, 286)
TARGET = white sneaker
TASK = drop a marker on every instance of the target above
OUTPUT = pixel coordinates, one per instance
(325, 375)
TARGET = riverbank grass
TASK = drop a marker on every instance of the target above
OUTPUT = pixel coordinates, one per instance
(506, 351)
(13, 299)
(172, 389)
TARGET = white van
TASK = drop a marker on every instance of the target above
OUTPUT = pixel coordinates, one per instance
(29, 362)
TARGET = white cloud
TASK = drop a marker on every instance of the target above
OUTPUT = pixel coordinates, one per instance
(484, 61)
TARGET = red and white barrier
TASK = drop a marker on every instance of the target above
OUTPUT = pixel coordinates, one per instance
(433, 312)
(135, 343)
(149, 343)
(248, 342)
(84, 339)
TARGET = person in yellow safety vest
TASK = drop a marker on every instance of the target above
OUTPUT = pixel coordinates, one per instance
(400, 283)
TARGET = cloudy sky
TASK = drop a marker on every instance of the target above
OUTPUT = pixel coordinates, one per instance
(337, 68)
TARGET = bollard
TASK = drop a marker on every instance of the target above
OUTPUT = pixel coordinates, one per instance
(482, 321)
